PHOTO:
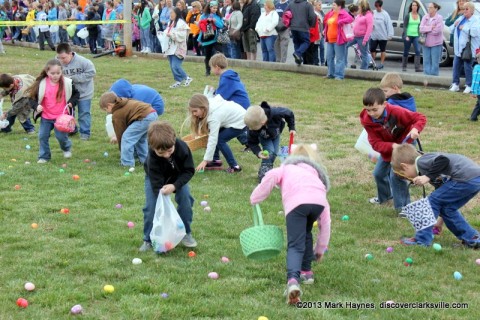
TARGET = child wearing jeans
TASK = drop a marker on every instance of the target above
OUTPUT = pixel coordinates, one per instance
(53, 93)
(456, 179)
(387, 126)
(169, 168)
(304, 184)
(476, 87)
(265, 125)
(131, 119)
(222, 120)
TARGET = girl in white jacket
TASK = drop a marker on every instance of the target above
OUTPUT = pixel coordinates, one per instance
(266, 31)
(177, 32)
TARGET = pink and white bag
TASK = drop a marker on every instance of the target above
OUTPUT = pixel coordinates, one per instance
(65, 122)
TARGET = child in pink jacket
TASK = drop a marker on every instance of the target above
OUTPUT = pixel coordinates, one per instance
(304, 184)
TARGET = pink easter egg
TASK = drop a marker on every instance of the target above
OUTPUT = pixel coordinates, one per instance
(225, 260)
(130, 224)
(213, 275)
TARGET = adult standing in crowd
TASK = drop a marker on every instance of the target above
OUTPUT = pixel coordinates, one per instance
(165, 14)
(193, 17)
(454, 16)
(362, 29)
(81, 71)
(336, 41)
(265, 29)
(432, 27)
(283, 37)
(303, 18)
(235, 22)
(411, 35)
(382, 32)
(466, 32)
(251, 13)
(144, 19)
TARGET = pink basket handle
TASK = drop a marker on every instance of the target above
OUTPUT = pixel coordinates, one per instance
(290, 143)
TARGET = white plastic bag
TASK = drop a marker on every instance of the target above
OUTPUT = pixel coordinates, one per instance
(163, 39)
(83, 33)
(364, 147)
(109, 126)
(3, 123)
(168, 229)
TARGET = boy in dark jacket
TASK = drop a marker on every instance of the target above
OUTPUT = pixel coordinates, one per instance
(456, 179)
(265, 124)
(169, 168)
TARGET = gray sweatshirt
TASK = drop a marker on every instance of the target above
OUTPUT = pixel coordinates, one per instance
(81, 71)
(382, 26)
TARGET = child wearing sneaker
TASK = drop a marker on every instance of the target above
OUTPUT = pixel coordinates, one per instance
(52, 93)
(476, 87)
(222, 120)
(456, 179)
(265, 125)
(304, 184)
(388, 125)
(131, 119)
(169, 168)
(177, 30)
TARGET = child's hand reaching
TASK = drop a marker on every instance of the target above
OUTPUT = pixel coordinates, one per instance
(167, 189)
(421, 180)
(293, 132)
(201, 166)
(39, 108)
(414, 134)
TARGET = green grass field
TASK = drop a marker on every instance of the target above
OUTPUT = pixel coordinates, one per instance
(70, 257)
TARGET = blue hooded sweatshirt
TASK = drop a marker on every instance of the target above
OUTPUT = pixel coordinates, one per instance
(404, 100)
(232, 89)
(140, 92)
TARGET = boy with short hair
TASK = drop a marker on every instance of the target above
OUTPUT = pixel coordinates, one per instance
(16, 87)
(388, 125)
(456, 179)
(131, 119)
(391, 85)
(169, 168)
(265, 125)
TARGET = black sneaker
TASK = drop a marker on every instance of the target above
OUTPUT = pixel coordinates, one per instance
(214, 165)
(235, 169)
(247, 149)
(474, 243)
(298, 60)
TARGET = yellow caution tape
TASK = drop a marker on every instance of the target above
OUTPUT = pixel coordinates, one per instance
(58, 23)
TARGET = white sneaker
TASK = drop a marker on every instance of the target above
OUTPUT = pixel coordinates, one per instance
(175, 85)
(143, 50)
(42, 161)
(467, 89)
(67, 154)
(454, 87)
(188, 241)
(187, 81)
(147, 50)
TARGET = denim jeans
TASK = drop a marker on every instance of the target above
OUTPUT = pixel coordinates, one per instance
(27, 125)
(408, 43)
(300, 241)
(84, 117)
(42, 37)
(226, 49)
(445, 202)
(268, 48)
(183, 199)
(389, 184)
(145, 38)
(322, 51)
(134, 139)
(235, 49)
(46, 127)
(281, 46)
(63, 35)
(55, 37)
(225, 135)
(364, 51)
(458, 63)
(301, 42)
(272, 146)
(431, 60)
(176, 67)
(336, 60)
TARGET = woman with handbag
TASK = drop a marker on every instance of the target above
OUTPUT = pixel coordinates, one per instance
(466, 31)
(210, 21)
(431, 29)
(411, 34)
(193, 17)
(265, 29)
(235, 22)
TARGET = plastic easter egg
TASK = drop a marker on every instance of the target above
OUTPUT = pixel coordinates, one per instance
(28, 147)
(164, 295)
(213, 275)
(87, 160)
(136, 261)
(108, 288)
(130, 224)
(457, 275)
(22, 303)
(132, 169)
(409, 260)
(61, 170)
(191, 254)
(204, 203)
(126, 174)
(437, 247)
(17, 187)
(477, 262)
(76, 177)
(34, 225)
(168, 246)
(369, 256)
(27, 162)
(64, 165)
(225, 260)
(389, 249)
(315, 224)
(262, 318)
(118, 206)
(76, 309)
(345, 218)
(436, 231)
(29, 286)
(265, 153)
(207, 209)
(105, 154)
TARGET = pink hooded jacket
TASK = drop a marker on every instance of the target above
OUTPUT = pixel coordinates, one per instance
(343, 18)
(301, 181)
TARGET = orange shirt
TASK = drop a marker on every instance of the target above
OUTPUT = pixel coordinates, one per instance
(332, 31)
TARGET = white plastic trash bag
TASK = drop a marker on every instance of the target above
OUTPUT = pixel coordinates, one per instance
(3, 123)
(83, 33)
(364, 147)
(168, 229)
(163, 39)
(109, 126)
(420, 214)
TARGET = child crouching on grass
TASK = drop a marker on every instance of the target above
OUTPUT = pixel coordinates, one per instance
(169, 168)
(131, 119)
(265, 125)
(456, 179)
(304, 184)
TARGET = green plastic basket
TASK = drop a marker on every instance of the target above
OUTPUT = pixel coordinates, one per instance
(261, 242)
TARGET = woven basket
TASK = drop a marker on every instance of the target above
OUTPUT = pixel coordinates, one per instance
(261, 242)
(192, 141)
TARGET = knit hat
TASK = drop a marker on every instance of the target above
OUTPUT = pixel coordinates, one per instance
(213, 4)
